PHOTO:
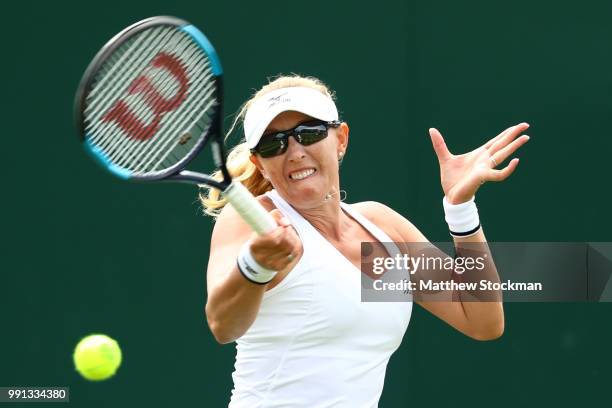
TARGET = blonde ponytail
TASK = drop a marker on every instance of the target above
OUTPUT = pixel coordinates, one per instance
(239, 163)
(240, 168)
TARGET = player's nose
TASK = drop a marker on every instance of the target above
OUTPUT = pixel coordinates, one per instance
(295, 151)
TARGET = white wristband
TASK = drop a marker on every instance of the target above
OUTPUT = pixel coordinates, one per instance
(250, 269)
(462, 218)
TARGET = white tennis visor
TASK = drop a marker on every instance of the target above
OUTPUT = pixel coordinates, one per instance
(300, 99)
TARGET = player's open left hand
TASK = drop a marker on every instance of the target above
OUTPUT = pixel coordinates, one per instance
(462, 175)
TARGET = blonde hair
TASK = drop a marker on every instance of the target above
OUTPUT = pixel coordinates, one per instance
(239, 164)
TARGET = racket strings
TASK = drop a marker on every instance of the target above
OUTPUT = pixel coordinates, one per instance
(134, 59)
(133, 66)
(142, 107)
(200, 104)
(115, 61)
(200, 113)
(124, 145)
(149, 151)
(101, 132)
(144, 148)
(179, 131)
(138, 113)
(176, 151)
(179, 150)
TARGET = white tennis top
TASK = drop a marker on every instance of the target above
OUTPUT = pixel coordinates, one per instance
(314, 343)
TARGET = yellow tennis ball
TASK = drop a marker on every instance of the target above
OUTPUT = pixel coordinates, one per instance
(97, 357)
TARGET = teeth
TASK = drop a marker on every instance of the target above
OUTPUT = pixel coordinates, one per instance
(301, 174)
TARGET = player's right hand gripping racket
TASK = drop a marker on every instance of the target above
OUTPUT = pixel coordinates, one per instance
(148, 103)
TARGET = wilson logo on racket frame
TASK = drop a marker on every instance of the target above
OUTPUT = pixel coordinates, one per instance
(127, 120)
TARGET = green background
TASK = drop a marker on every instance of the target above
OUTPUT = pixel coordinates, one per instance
(83, 252)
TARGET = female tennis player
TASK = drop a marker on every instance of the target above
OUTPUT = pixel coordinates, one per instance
(290, 299)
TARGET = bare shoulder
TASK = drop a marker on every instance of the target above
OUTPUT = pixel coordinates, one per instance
(391, 222)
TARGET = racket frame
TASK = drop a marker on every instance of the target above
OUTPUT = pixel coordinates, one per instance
(214, 130)
(240, 198)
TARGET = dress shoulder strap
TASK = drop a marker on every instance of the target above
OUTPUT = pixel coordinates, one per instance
(298, 222)
(377, 232)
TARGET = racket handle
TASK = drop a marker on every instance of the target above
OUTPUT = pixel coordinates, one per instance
(249, 208)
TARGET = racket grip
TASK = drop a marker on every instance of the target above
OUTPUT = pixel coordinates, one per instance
(249, 208)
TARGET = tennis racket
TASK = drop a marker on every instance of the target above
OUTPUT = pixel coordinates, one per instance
(150, 100)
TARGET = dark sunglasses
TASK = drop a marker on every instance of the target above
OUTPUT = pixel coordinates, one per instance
(276, 143)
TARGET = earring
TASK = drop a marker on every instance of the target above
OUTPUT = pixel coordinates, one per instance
(340, 157)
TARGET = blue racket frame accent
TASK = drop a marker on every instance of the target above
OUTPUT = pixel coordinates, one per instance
(208, 48)
(99, 155)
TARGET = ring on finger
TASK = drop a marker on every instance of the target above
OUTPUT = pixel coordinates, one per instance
(494, 162)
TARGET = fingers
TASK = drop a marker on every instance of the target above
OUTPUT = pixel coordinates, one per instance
(505, 152)
(500, 148)
(277, 249)
(496, 138)
(277, 241)
(506, 137)
(280, 219)
(501, 175)
(439, 145)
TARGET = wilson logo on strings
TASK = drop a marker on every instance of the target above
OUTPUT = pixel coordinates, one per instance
(121, 114)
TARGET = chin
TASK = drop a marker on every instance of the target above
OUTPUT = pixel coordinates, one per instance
(306, 194)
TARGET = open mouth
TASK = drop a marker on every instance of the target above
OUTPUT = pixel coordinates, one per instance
(301, 174)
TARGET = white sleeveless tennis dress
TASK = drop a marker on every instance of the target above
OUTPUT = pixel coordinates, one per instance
(314, 343)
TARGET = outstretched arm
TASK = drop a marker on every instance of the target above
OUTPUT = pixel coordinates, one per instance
(461, 177)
